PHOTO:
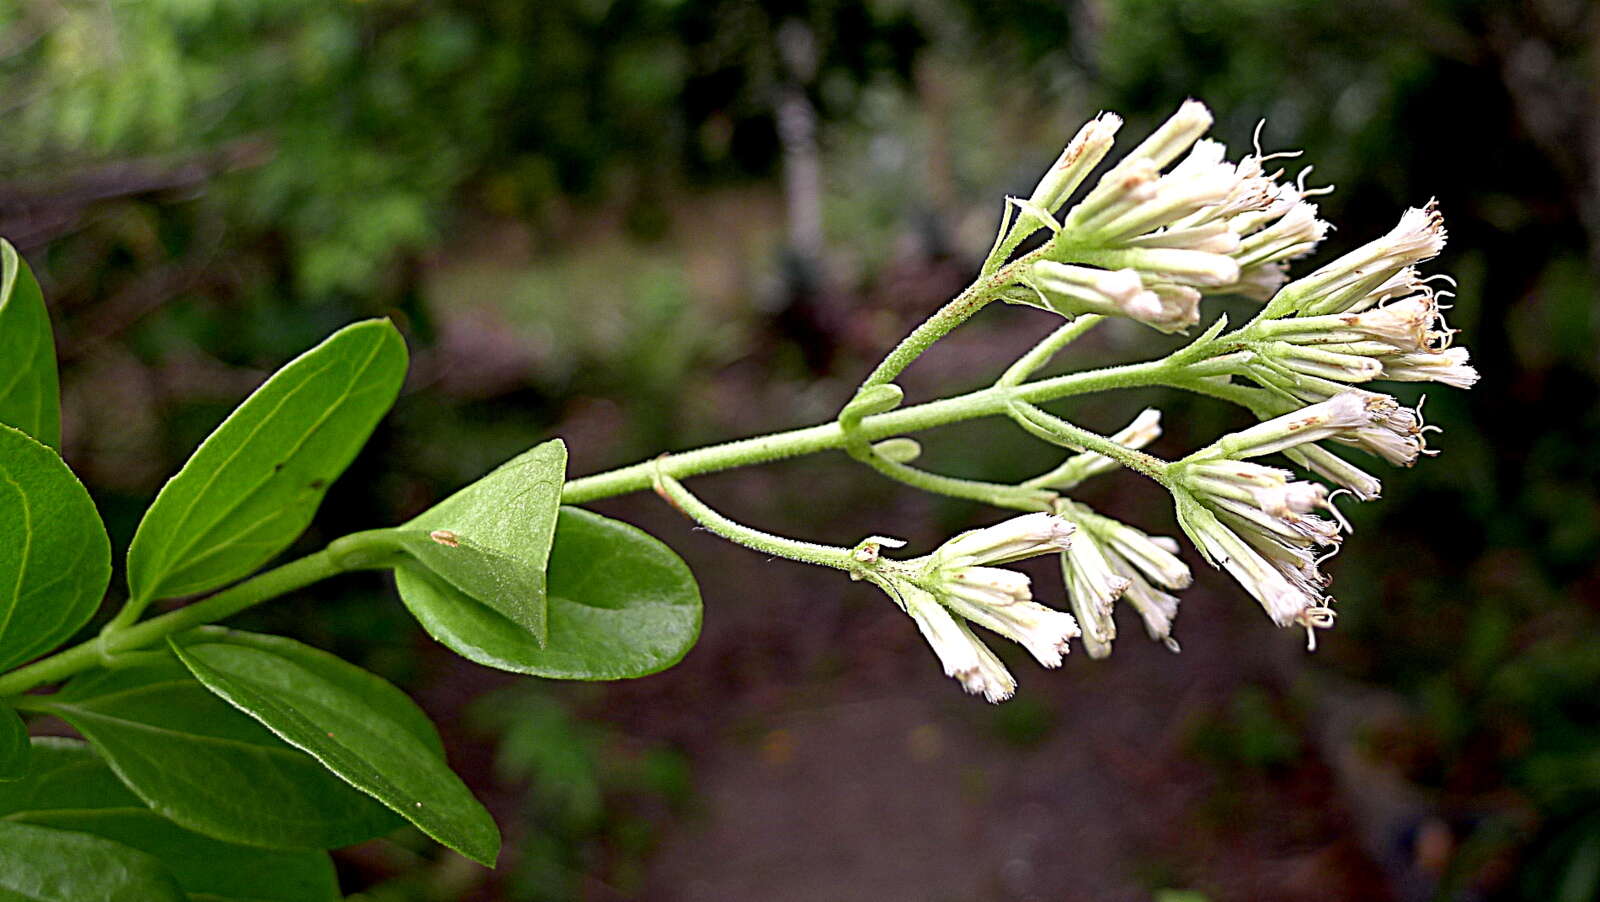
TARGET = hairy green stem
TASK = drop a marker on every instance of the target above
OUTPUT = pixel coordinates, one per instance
(1052, 428)
(90, 654)
(358, 551)
(765, 542)
(831, 436)
(1041, 353)
(975, 297)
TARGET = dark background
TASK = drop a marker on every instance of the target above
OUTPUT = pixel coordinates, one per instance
(595, 219)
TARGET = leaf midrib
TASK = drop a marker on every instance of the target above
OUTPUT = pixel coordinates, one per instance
(171, 554)
(345, 397)
(354, 765)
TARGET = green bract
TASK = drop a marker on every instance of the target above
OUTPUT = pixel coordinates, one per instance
(55, 558)
(491, 540)
(254, 484)
(621, 605)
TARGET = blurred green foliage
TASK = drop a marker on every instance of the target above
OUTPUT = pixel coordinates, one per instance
(1250, 734)
(594, 800)
(535, 191)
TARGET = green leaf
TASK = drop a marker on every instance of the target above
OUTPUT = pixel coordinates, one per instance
(14, 749)
(70, 788)
(55, 558)
(491, 540)
(621, 605)
(324, 712)
(253, 485)
(38, 864)
(374, 691)
(207, 767)
(29, 397)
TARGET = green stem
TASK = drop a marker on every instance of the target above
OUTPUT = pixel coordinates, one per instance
(932, 329)
(1041, 353)
(974, 298)
(765, 542)
(994, 494)
(91, 654)
(830, 436)
(1054, 429)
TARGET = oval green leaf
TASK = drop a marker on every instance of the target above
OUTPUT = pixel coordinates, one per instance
(71, 788)
(55, 558)
(622, 605)
(15, 751)
(491, 540)
(323, 711)
(38, 864)
(205, 766)
(253, 485)
(30, 399)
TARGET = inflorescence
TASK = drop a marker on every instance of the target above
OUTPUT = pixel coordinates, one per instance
(1169, 224)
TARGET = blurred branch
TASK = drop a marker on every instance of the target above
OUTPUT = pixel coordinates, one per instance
(33, 213)
(116, 315)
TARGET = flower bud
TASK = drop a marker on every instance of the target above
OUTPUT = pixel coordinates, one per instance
(1175, 136)
(1082, 154)
(1449, 367)
(1092, 587)
(1070, 290)
(1200, 269)
(1340, 415)
(1012, 540)
(1002, 600)
(963, 655)
(1336, 470)
(1419, 236)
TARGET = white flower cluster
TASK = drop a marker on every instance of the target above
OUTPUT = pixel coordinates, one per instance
(1257, 522)
(1146, 244)
(1366, 316)
(958, 584)
(1170, 222)
(1109, 560)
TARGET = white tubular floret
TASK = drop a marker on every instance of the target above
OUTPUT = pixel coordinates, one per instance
(1447, 367)
(1082, 154)
(1420, 235)
(1021, 537)
(1092, 587)
(1001, 600)
(963, 655)
(1340, 415)
(1337, 470)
